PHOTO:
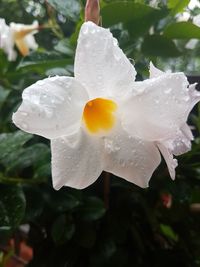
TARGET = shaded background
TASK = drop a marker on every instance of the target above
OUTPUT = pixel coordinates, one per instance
(113, 222)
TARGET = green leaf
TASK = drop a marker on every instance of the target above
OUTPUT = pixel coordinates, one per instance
(159, 46)
(92, 209)
(62, 229)
(3, 62)
(137, 17)
(43, 61)
(12, 153)
(57, 71)
(3, 95)
(168, 232)
(64, 201)
(177, 6)
(34, 155)
(64, 47)
(12, 205)
(35, 203)
(69, 8)
(11, 142)
(182, 30)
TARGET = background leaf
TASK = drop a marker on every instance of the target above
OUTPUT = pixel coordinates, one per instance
(182, 30)
(159, 45)
(70, 8)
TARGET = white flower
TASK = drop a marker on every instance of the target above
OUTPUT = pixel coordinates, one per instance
(6, 40)
(17, 34)
(103, 120)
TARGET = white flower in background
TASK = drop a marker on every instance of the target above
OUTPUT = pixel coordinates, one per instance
(193, 42)
(6, 40)
(20, 35)
(103, 120)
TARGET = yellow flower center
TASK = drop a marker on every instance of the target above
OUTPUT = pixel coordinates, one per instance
(98, 115)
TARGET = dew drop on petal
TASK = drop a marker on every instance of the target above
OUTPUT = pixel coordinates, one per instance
(168, 91)
(93, 31)
(49, 113)
(186, 98)
(85, 30)
(23, 113)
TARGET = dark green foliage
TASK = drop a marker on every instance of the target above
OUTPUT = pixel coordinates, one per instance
(76, 228)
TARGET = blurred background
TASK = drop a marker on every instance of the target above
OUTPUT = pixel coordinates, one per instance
(113, 222)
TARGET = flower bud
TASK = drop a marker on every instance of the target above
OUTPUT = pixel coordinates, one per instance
(92, 11)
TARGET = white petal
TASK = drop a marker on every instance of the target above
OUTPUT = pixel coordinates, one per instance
(30, 42)
(168, 156)
(7, 40)
(187, 131)
(76, 160)
(16, 27)
(158, 107)
(181, 143)
(154, 72)
(130, 158)
(52, 107)
(100, 65)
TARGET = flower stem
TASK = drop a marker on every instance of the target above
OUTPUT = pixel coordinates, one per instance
(14, 181)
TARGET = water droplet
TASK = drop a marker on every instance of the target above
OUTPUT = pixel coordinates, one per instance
(85, 30)
(44, 97)
(23, 113)
(122, 162)
(108, 145)
(168, 91)
(186, 98)
(93, 30)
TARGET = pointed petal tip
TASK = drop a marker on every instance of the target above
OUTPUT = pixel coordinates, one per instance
(153, 71)
(56, 184)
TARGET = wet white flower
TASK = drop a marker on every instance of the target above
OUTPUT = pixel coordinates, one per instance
(17, 34)
(103, 120)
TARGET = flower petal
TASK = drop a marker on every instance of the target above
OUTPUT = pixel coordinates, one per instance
(130, 158)
(100, 65)
(25, 28)
(76, 160)
(30, 42)
(7, 40)
(159, 106)
(181, 143)
(52, 107)
(168, 156)
(154, 72)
